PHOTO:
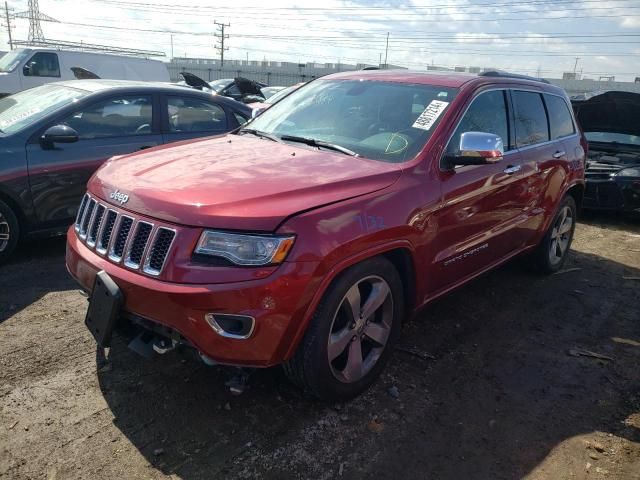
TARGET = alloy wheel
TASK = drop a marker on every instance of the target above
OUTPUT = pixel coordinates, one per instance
(5, 233)
(360, 329)
(561, 235)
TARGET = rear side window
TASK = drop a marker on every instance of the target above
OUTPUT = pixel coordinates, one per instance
(560, 120)
(42, 64)
(531, 118)
(487, 113)
(188, 114)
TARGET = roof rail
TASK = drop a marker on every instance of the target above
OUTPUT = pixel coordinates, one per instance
(503, 74)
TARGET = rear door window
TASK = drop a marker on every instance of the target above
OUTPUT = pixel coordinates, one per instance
(188, 114)
(42, 64)
(530, 118)
(560, 120)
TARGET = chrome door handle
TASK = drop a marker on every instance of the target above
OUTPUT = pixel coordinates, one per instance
(559, 154)
(511, 169)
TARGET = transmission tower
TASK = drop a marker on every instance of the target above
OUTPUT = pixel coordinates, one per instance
(34, 16)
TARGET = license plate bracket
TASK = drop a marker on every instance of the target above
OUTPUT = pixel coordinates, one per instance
(104, 307)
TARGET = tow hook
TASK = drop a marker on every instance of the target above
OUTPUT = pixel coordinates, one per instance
(163, 345)
(239, 381)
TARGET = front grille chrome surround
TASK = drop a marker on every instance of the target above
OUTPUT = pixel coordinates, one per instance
(120, 238)
(136, 243)
(159, 251)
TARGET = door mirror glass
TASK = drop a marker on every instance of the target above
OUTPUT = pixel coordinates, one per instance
(59, 134)
(479, 148)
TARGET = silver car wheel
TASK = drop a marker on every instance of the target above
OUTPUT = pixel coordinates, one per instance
(561, 235)
(360, 329)
(5, 233)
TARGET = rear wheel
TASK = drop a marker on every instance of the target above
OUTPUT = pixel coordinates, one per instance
(554, 248)
(351, 333)
(9, 231)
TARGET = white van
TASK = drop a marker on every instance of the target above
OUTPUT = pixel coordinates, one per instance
(30, 67)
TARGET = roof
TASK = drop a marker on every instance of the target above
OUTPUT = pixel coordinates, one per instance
(104, 84)
(96, 86)
(437, 78)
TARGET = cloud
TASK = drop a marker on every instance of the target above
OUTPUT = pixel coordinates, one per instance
(514, 35)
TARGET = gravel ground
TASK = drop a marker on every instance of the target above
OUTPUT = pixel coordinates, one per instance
(485, 385)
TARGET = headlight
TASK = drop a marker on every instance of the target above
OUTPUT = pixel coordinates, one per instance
(629, 172)
(245, 249)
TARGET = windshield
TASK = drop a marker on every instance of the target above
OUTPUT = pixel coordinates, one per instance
(25, 108)
(11, 60)
(280, 94)
(218, 85)
(384, 121)
(608, 137)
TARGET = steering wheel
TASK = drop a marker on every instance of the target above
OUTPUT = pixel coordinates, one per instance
(144, 128)
(378, 127)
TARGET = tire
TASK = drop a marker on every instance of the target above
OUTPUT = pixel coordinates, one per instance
(9, 232)
(371, 292)
(552, 252)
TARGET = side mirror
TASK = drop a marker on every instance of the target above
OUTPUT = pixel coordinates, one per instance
(257, 111)
(478, 148)
(58, 134)
(26, 70)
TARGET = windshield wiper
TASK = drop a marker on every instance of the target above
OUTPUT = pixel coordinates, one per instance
(318, 143)
(260, 134)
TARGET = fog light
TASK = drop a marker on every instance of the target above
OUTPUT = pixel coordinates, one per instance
(226, 325)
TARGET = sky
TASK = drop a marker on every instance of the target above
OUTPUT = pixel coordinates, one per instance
(536, 37)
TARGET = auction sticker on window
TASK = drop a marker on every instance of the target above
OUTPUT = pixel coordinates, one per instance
(427, 118)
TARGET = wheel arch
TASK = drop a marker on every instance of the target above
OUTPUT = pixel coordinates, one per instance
(400, 253)
(577, 192)
(15, 207)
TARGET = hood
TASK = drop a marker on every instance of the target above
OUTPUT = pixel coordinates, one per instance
(237, 182)
(194, 81)
(84, 74)
(613, 112)
(248, 87)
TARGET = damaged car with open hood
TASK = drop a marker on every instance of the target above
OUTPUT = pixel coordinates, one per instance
(611, 123)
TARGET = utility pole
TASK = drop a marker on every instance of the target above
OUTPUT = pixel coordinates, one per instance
(575, 66)
(221, 36)
(172, 47)
(386, 51)
(6, 11)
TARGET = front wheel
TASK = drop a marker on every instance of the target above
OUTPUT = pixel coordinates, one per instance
(9, 231)
(552, 252)
(352, 332)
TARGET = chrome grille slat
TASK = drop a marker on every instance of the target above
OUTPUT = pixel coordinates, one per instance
(94, 227)
(86, 218)
(138, 243)
(120, 237)
(80, 213)
(159, 250)
(104, 237)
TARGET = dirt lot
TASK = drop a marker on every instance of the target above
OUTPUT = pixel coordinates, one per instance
(489, 392)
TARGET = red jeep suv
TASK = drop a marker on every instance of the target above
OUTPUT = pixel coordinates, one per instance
(306, 237)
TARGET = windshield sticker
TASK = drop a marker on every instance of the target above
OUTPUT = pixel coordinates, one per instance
(18, 117)
(427, 118)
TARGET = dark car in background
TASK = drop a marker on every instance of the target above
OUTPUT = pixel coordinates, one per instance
(53, 137)
(611, 123)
